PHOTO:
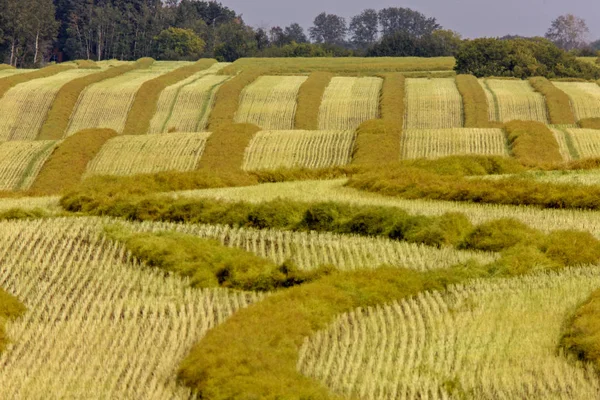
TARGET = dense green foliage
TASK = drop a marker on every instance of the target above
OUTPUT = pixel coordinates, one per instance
(520, 58)
(179, 44)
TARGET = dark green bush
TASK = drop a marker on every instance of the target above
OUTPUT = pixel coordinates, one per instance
(275, 214)
(376, 221)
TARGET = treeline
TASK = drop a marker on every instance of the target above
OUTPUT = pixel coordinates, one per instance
(34, 32)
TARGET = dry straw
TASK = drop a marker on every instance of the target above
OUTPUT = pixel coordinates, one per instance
(145, 104)
(55, 126)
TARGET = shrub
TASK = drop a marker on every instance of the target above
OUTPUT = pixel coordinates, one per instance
(569, 247)
(19, 213)
(309, 100)
(374, 221)
(324, 216)
(499, 235)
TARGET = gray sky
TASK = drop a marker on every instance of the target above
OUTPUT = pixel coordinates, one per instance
(471, 18)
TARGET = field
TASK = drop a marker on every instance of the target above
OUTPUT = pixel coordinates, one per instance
(585, 98)
(348, 102)
(435, 143)
(185, 106)
(130, 155)
(510, 100)
(20, 162)
(270, 102)
(299, 149)
(324, 228)
(433, 104)
(103, 323)
(24, 107)
(413, 348)
(105, 104)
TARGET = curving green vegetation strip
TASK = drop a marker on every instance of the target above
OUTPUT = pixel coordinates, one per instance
(10, 308)
(533, 144)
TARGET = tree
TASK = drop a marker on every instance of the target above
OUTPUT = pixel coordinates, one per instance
(395, 19)
(328, 28)
(234, 40)
(521, 58)
(402, 44)
(568, 32)
(295, 33)
(595, 45)
(364, 28)
(448, 41)
(262, 39)
(179, 44)
(277, 36)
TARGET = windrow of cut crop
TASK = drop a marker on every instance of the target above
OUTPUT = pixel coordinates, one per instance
(146, 98)
(309, 100)
(12, 81)
(10, 308)
(378, 140)
(475, 104)
(87, 64)
(57, 121)
(590, 123)
(224, 152)
(533, 144)
(64, 169)
(557, 101)
(581, 337)
(227, 99)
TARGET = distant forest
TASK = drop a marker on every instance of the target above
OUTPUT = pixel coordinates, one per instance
(35, 32)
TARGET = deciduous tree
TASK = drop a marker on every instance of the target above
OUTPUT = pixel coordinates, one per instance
(568, 32)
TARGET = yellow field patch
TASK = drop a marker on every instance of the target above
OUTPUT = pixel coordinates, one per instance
(585, 98)
(106, 104)
(21, 161)
(299, 149)
(432, 104)
(511, 100)
(585, 141)
(185, 106)
(348, 102)
(435, 143)
(24, 107)
(143, 154)
(270, 102)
